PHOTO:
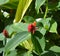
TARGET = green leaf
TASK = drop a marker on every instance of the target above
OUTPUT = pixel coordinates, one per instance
(46, 23)
(3, 2)
(1, 37)
(28, 19)
(16, 40)
(48, 53)
(12, 53)
(42, 43)
(17, 27)
(55, 49)
(28, 53)
(1, 50)
(38, 42)
(53, 28)
(42, 31)
(38, 4)
(41, 40)
(22, 8)
(58, 6)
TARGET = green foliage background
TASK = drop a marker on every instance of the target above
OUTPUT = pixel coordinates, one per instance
(46, 39)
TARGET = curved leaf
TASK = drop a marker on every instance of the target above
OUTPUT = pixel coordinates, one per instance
(22, 7)
(38, 4)
(16, 40)
(55, 49)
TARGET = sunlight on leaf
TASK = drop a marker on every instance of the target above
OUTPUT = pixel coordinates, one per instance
(22, 8)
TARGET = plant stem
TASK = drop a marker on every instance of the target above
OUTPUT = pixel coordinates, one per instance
(41, 10)
(46, 10)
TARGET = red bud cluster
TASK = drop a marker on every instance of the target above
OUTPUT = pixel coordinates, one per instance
(32, 27)
(5, 33)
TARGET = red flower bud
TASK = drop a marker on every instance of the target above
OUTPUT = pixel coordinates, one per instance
(5, 33)
(31, 28)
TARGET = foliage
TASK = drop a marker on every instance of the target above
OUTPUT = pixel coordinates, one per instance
(26, 38)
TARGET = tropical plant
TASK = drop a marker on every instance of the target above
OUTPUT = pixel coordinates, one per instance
(30, 27)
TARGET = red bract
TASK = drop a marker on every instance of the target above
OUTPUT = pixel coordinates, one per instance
(31, 28)
(5, 33)
(34, 23)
